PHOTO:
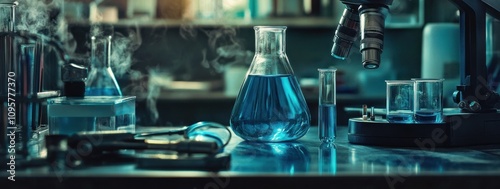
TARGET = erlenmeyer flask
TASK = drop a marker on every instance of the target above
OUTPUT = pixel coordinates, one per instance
(270, 106)
(101, 80)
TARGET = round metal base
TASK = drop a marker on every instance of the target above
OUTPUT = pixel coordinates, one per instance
(382, 133)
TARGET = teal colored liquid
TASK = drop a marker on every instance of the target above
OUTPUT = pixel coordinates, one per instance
(72, 125)
(400, 118)
(270, 109)
(102, 92)
(327, 122)
(428, 116)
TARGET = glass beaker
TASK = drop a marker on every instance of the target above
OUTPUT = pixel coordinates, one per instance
(399, 101)
(101, 80)
(270, 106)
(327, 112)
(91, 113)
(428, 100)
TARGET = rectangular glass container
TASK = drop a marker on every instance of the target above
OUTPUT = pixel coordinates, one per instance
(91, 113)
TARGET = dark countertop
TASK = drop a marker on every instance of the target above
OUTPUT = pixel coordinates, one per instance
(303, 164)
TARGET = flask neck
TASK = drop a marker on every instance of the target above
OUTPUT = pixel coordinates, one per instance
(270, 40)
(101, 51)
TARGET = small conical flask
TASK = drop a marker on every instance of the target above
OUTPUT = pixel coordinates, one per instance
(101, 80)
(270, 106)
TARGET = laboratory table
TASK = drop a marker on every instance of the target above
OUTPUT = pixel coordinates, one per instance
(306, 163)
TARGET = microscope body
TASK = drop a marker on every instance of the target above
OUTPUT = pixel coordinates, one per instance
(474, 93)
(366, 17)
(476, 121)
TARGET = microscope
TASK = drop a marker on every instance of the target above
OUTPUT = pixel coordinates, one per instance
(475, 121)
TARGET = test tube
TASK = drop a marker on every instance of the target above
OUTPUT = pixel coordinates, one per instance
(327, 116)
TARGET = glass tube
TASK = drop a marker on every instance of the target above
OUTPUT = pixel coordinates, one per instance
(327, 116)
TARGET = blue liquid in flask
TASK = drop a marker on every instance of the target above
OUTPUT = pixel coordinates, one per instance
(270, 108)
(108, 91)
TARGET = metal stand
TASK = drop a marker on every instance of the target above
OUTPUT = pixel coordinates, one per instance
(458, 129)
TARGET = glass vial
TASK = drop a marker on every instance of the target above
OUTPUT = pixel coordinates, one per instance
(327, 109)
(270, 106)
(101, 80)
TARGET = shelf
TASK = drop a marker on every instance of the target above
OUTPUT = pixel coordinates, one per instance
(300, 22)
(291, 22)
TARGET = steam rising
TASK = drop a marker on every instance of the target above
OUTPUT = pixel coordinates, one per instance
(156, 78)
(45, 17)
(225, 44)
(222, 42)
(33, 15)
(148, 86)
(122, 50)
(221, 36)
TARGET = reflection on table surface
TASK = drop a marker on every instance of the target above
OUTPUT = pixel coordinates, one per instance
(270, 157)
(305, 163)
(309, 156)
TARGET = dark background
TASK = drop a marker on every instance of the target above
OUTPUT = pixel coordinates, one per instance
(308, 48)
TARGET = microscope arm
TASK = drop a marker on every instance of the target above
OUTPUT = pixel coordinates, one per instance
(474, 94)
(493, 7)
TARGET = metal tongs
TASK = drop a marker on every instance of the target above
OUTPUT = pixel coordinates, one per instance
(197, 131)
(198, 148)
(97, 142)
(195, 139)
